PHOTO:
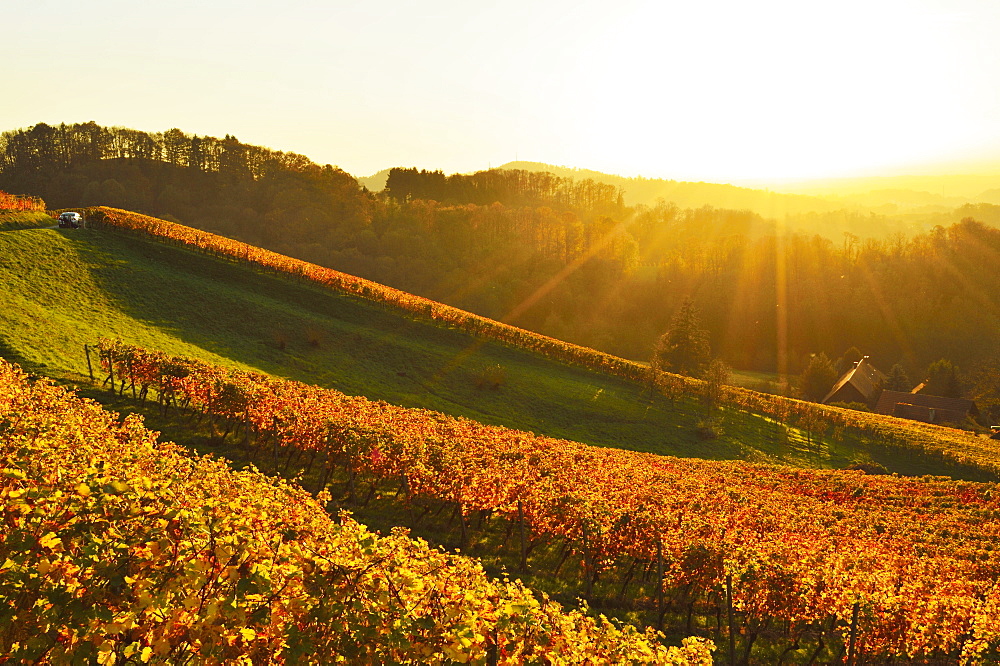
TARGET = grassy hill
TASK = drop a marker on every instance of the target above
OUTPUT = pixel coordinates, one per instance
(24, 220)
(66, 288)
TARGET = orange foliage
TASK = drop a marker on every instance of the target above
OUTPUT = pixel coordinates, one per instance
(117, 548)
(915, 556)
(20, 202)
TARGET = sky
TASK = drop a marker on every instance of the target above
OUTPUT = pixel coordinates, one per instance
(715, 90)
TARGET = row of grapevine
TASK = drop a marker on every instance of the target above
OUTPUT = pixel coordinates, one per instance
(20, 202)
(119, 549)
(957, 445)
(889, 566)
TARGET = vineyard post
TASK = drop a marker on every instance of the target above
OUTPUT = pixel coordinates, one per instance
(131, 371)
(729, 607)
(520, 529)
(854, 634)
(409, 498)
(90, 368)
(465, 534)
(111, 371)
(493, 648)
(659, 582)
(350, 477)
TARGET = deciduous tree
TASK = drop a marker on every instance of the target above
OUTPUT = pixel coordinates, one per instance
(942, 379)
(716, 377)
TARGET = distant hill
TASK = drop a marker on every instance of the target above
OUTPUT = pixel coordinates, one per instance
(375, 182)
(887, 195)
(648, 191)
(902, 194)
(966, 187)
(890, 201)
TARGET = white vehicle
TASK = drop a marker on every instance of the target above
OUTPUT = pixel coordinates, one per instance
(70, 220)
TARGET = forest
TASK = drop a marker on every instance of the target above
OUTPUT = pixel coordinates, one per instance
(562, 256)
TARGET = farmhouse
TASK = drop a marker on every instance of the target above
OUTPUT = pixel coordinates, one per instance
(859, 384)
(926, 408)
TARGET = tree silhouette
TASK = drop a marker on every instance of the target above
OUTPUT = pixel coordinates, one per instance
(684, 348)
(986, 389)
(942, 379)
(818, 378)
(717, 376)
(848, 360)
(898, 379)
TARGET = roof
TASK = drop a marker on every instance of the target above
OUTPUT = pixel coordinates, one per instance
(928, 408)
(864, 377)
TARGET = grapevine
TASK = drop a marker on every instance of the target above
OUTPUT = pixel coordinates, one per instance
(905, 564)
(118, 548)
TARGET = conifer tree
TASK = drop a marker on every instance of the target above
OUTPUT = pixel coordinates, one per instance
(684, 348)
(818, 378)
(898, 379)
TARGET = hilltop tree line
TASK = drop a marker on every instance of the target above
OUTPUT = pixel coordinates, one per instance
(563, 257)
(203, 181)
(44, 149)
(511, 187)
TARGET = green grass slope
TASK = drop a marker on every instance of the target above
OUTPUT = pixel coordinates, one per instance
(64, 288)
(27, 219)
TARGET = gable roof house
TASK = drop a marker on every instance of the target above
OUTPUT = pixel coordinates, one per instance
(859, 384)
(926, 408)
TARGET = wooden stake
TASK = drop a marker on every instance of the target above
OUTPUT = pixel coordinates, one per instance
(854, 634)
(90, 368)
(493, 649)
(520, 526)
(659, 583)
(732, 633)
(465, 534)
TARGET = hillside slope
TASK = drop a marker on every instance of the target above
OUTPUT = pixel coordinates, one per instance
(67, 288)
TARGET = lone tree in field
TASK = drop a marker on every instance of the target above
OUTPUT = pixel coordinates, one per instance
(684, 348)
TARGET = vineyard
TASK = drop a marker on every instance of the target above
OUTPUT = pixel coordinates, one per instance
(949, 444)
(825, 565)
(20, 203)
(120, 549)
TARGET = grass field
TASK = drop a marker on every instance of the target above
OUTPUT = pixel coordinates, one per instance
(65, 288)
(768, 382)
(24, 220)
